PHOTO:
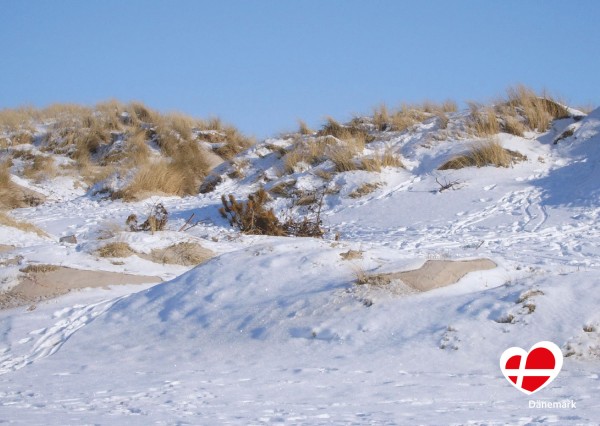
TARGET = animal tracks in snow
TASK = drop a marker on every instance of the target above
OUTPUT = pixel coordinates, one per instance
(46, 341)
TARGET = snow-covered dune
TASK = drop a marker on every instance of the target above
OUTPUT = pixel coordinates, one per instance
(276, 330)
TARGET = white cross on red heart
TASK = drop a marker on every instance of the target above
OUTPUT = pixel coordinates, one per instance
(531, 371)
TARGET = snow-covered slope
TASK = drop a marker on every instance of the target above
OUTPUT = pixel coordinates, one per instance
(274, 330)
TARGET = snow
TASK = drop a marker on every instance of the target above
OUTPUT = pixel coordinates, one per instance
(273, 329)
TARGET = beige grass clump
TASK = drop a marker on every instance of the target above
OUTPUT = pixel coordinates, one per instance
(5, 182)
(352, 132)
(115, 249)
(39, 268)
(40, 168)
(15, 119)
(342, 157)
(23, 226)
(379, 161)
(483, 121)
(539, 111)
(89, 136)
(234, 142)
(185, 253)
(10, 197)
(311, 151)
(303, 128)
(484, 154)
(363, 277)
(140, 113)
(134, 153)
(283, 189)
(513, 125)
(159, 177)
(181, 175)
(408, 115)
(398, 120)
(364, 189)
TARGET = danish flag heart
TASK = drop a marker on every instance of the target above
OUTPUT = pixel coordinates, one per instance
(531, 371)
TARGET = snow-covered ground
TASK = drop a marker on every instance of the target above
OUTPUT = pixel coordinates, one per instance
(274, 330)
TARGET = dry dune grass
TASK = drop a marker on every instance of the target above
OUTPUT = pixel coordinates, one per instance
(522, 110)
(114, 138)
(38, 267)
(23, 226)
(345, 154)
(539, 111)
(483, 121)
(408, 115)
(41, 167)
(17, 119)
(14, 196)
(351, 132)
(379, 161)
(180, 175)
(364, 189)
(9, 198)
(303, 128)
(185, 253)
(484, 154)
(115, 249)
(311, 151)
(158, 177)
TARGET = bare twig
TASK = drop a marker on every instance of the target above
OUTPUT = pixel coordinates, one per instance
(187, 222)
(446, 185)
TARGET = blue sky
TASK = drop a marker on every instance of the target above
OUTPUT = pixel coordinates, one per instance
(263, 64)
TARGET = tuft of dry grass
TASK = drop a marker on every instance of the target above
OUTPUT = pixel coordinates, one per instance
(113, 138)
(352, 254)
(522, 110)
(180, 175)
(16, 119)
(38, 268)
(324, 174)
(484, 154)
(23, 226)
(311, 151)
(513, 125)
(283, 189)
(539, 111)
(364, 189)
(234, 143)
(13, 196)
(115, 249)
(408, 115)
(154, 178)
(379, 161)
(342, 157)
(5, 174)
(352, 132)
(141, 113)
(362, 277)
(185, 253)
(40, 168)
(303, 128)
(483, 121)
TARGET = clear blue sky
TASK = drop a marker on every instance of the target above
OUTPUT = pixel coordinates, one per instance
(263, 64)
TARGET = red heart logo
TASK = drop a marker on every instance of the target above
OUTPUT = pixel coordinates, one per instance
(531, 371)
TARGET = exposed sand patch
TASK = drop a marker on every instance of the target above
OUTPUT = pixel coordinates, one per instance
(439, 273)
(38, 286)
(15, 195)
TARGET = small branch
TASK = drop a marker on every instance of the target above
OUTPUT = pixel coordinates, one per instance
(446, 185)
(187, 222)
